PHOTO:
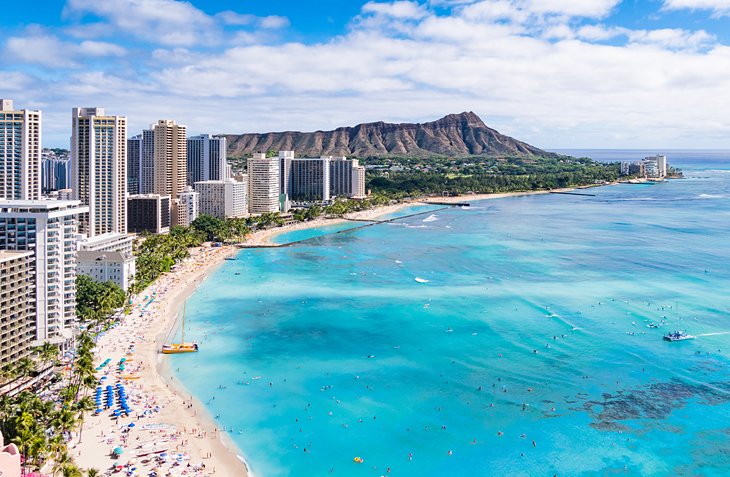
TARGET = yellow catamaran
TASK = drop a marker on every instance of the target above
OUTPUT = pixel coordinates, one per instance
(182, 346)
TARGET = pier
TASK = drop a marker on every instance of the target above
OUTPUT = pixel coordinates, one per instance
(573, 193)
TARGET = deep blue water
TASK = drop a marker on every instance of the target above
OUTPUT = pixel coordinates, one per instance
(530, 329)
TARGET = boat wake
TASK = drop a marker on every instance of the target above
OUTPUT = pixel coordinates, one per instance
(715, 334)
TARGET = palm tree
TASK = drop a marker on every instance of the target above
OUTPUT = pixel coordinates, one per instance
(82, 406)
(92, 472)
(47, 353)
(25, 366)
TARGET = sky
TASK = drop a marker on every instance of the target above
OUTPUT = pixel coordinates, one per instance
(554, 73)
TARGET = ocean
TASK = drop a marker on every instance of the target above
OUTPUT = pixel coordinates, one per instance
(509, 338)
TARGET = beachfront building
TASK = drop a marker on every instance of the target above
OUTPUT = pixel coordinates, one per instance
(223, 199)
(17, 305)
(347, 178)
(50, 229)
(108, 243)
(99, 164)
(263, 184)
(661, 164)
(206, 159)
(651, 167)
(188, 207)
(285, 158)
(309, 180)
(148, 213)
(117, 267)
(20, 153)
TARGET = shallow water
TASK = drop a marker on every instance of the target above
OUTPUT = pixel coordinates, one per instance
(519, 336)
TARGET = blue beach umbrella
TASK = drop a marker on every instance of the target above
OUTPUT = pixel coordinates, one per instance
(118, 451)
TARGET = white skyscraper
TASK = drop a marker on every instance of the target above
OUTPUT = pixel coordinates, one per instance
(222, 199)
(206, 158)
(99, 164)
(263, 184)
(20, 153)
(49, 228)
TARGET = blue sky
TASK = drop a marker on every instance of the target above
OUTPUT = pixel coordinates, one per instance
(556, 73)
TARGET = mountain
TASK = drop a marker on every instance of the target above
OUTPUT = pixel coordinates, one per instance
(455, 135)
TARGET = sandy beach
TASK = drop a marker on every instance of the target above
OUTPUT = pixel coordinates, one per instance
(166, 431)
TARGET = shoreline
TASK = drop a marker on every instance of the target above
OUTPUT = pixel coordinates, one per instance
(176, 423)
(264, 238)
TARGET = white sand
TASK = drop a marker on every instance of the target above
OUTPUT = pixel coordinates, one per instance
(183, 426)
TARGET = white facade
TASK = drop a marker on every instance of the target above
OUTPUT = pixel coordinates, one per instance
(50, 228)
(263, 184)
(188, 207)
(222, 199)
(651, 167)
(114, 267)
(358, 182)
(20, 153)
(108, 243)
(99, 165)
(661, 164)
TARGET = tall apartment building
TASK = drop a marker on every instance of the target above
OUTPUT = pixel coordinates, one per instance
(134, 164)
(17, 305)
(148, 213)
(309, 180)
(141, 163)
(99, 163)
(222, 199)
(263, 184)
(206, 159)
(188, 207)
(170, 158)
(20, 153)
(347, 178)
(55, 174)
(50, 229)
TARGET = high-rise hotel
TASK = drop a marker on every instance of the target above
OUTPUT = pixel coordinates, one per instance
(48, 228)
(206, 158)
(99, 164)
(20, 153)
(263, 184)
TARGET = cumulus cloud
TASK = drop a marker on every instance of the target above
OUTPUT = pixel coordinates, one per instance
(167, 22)
(719, 7)
(398, 9)
(41, 48)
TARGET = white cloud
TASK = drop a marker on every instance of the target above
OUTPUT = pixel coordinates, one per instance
(719, 7)
(530, 71)
(399, 9)
(41, 48)
(167, 22)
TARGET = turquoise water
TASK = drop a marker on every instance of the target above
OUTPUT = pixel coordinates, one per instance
(306, 234)
(531, 328)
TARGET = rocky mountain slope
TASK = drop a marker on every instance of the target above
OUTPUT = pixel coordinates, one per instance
(455, 135)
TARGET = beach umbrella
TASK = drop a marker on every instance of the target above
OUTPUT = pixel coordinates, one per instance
(131, 424)
(118, 451)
